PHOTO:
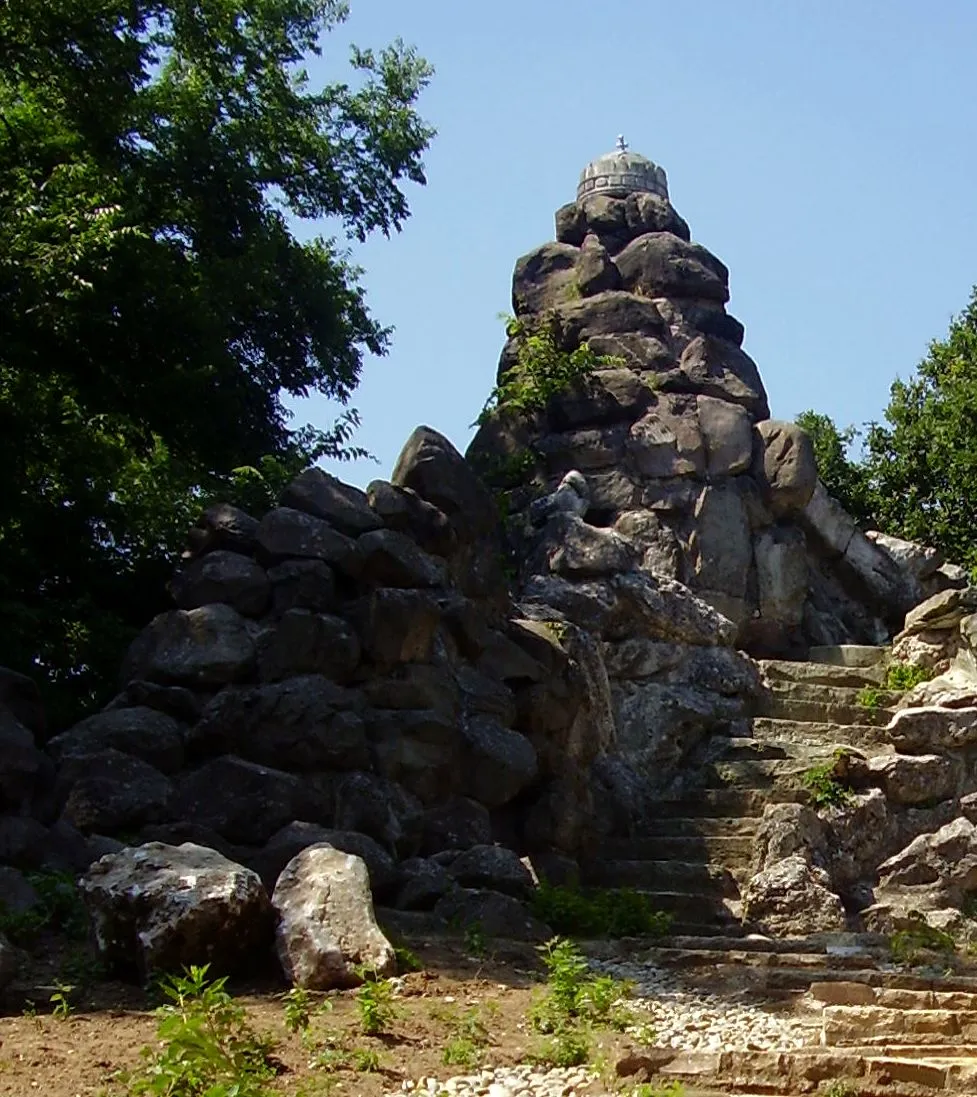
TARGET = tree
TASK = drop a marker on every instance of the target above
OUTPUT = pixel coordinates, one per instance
(917, 476)
(922, 463)
(155, 303)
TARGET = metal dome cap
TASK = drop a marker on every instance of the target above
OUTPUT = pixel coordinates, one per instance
(620, 173)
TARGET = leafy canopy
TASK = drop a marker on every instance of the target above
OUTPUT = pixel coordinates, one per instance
(917, 475)
(156, 304)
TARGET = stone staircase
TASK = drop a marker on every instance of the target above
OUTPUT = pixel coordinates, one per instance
(876, 1028)
(694, 857)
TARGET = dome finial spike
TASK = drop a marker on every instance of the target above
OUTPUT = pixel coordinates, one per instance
(622, 145)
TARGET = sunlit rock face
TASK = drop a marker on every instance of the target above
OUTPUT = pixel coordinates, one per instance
(671, 435)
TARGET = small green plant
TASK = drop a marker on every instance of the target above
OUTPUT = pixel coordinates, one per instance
(669, 1089)
(365, 1060)
(824, 787)
(61, 1001)
(611, 912)
(375, 1003)
(459, 1052)
(839, 1087)
(208, 1048)
(469, 1035)
(542, 369)
(475, 942)
(406, 960)
(573, 995)
(298, 1009)
(59, 907)
(566, 1048)
(905, 676)
(920, 942)
(871, 697)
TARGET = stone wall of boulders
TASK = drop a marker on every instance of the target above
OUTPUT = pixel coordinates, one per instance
(904, 845)
(352, 669)
(673, 445)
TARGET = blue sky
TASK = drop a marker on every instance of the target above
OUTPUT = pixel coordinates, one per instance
(824, 150)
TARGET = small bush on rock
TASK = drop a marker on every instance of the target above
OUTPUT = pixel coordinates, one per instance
(919, 943)
(612, 912)
(824, 787)
(542, 370)
(905, 676)
(870, 697)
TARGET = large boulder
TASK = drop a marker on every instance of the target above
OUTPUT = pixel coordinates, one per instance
(326, 926)
(544, 278)
(286, 532)
(495, 914)
(206, 647)
(222, 576)
(793, 898)
(714, 366)
(304, 723)
(341, 505)
(492, 867)
(935, 871)
(21, 765)
(222, 526)
(788, 830)
(159, 908)
(661, 264)
(141, 731)
(784, 466)
(667, 441)
(921, 730)
(303, 642)
(499, 762)
(106, 791)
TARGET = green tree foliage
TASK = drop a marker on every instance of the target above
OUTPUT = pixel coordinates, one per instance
(156, 306)
(922, 464)
(917, 475)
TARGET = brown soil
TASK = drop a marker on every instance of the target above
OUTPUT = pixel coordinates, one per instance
(89, 1052)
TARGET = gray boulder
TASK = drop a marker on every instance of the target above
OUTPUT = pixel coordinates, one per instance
(222, 526)
(397, 626)
(286, 532)
(934, 872)
(494, 914)
(494, 868)
(139, 731)
(393, 559)
(544, 277)
(572, 548)
(20, 695)
(302, 584)
(222, 576)
(107, 791)
(21, 765)
(160, 908)
(784, 466)
(661, 264)
(422, 883)
(915, 778)
(243, 801)
(499, 763)
(727, 435)
(205, 647)
(323, 496)
(594, 270)
(304, 723)
(943, 611)
(713, 366)
(571, 498)
(920, 730)
(788, 830)
(303, 642)
(666, 440)
(458, 823)
(793, 898)
(404, 510)
(326, 926)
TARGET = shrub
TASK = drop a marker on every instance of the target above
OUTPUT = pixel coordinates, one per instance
(870, 697)
(208, 1049)
(910, 946)
(375, 1002)
(824, 787)
(612, 912)
(905, 676)
(542, 369)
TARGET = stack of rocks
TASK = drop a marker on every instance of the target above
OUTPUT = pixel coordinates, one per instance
(680, 466)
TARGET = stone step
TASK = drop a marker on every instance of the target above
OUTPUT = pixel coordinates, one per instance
(692, 908)
(817, 734)
(720, 848)
(849, 655)
(792, 708)
(822, 673)
(861, 994)
(834, 695)
(758, 773)
(694, 877)
(713, 826)
(867, 1025)
(726, 802)
(869, 1072)
(738, 747)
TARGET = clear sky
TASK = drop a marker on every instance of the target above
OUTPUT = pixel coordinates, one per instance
(823, 149)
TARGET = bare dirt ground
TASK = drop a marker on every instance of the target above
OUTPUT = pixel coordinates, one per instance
(92, 1051)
